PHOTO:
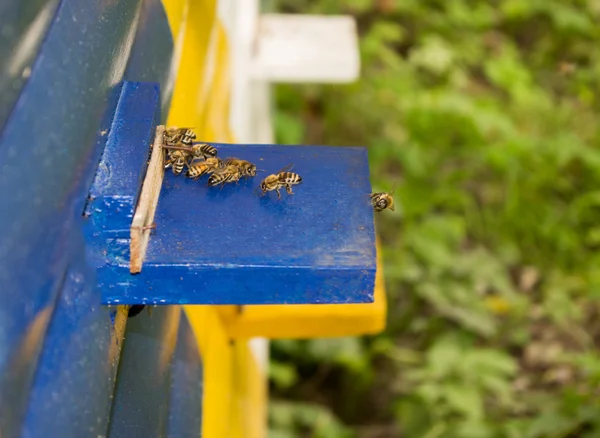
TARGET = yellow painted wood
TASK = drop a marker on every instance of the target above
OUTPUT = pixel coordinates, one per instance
(249, 414)
(198, 20)
(217, 358)
(309, 321)
(176, 11)
(217, 93)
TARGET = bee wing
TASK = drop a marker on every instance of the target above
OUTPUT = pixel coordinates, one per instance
(286, 168)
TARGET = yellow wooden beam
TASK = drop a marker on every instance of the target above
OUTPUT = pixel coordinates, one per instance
(197, 19)
(249, 413)
(176, 11)
(311, 320)
(217, 90)
(217, 360)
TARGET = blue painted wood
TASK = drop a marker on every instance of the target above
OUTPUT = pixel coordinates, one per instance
(185, 402)
(113, 195)
(141, 401)
(59, 123)
(23, 26)
(231, 246)
(74, 381)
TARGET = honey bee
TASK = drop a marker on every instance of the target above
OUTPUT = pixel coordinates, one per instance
(196, 170)
(246, 168)
(176, 135)
(224, 175)
(283, 178)
(203, 150)
(382, 200)
(176, 160)
(194, 151)
(180, 155)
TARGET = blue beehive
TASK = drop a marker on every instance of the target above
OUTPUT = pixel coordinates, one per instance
(79, 109)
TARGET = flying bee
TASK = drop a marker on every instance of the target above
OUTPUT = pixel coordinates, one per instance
(199, 168)
(176, 160)
(283, 178)
(224, 175)
(382, 200)
(246, 167)
(176, 135)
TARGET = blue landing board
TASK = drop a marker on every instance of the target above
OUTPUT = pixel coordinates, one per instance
(232, 246)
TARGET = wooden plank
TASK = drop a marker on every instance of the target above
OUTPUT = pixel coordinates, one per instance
(143, 219)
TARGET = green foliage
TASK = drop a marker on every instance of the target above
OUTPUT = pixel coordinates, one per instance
(289, 420)
(484, 114)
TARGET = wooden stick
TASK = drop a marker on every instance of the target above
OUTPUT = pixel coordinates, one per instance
(178, 148)
(143, 218)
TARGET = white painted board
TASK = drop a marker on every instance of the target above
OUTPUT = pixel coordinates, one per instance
(305, 48)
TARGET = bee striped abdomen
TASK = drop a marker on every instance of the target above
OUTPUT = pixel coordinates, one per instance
(178, 166)
(290, 178)
(196, 170)
(204, 150)
(208, 151)
(176, 160)
(188, 137)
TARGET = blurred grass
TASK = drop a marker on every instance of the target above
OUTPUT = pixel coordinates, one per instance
(484, 113)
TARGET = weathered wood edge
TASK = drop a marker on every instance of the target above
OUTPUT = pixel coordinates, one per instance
(143, 218)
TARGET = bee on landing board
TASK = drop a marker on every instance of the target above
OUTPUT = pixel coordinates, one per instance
(283, 178)
(225, 175)
(246, 167)
(199, 168)
(176, 160)
(176, 135)
(203, 150)
(382, 200)
(184, 155)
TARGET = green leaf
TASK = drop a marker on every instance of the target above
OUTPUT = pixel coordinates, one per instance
(282, 374)
(434, 54)
(466, 400)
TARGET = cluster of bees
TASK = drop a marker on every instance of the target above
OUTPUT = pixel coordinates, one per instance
(201, 159)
